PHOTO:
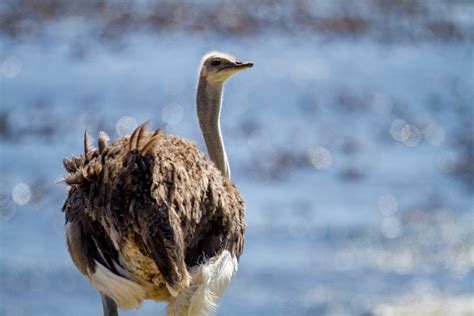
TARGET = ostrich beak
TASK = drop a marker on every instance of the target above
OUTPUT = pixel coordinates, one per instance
(243, 65)
(239, 65)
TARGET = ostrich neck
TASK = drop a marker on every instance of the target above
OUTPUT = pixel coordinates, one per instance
(209, 99)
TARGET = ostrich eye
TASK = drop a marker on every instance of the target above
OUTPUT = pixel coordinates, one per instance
(215, 62)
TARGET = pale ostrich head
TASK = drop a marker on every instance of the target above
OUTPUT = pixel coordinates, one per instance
(218, 67)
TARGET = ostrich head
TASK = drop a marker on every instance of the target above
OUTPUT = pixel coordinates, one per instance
(218, 67)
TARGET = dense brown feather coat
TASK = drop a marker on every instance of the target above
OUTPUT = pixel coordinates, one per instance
(152, 203)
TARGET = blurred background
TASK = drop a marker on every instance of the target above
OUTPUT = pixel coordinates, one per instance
(351, 140)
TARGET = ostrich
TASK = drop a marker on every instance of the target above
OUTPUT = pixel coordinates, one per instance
(149, 216)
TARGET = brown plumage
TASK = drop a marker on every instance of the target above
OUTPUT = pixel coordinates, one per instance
(163, 195)
(146, 214)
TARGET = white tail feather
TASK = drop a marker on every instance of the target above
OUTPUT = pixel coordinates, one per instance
(127, 294)
(208, 284)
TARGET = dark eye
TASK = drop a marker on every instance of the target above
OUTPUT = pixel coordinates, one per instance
(215, 62)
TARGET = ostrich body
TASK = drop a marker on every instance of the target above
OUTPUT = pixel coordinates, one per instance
(151, 217)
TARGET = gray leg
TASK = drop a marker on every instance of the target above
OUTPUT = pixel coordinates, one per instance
(110, 308)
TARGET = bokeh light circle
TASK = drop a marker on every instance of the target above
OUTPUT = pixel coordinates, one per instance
(21, 194)
(11, 67)
(321, 158)
(172, 114)
(126, 125)
(410, 135)
(396, 129)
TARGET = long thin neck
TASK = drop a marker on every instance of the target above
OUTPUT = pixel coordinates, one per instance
(209, 99)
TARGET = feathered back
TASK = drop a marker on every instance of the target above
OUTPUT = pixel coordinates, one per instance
(85, 169)
(158, 192)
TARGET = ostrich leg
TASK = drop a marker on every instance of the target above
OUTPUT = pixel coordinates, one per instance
(110, 308)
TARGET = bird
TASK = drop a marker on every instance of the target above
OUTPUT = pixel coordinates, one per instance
(151, 217)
